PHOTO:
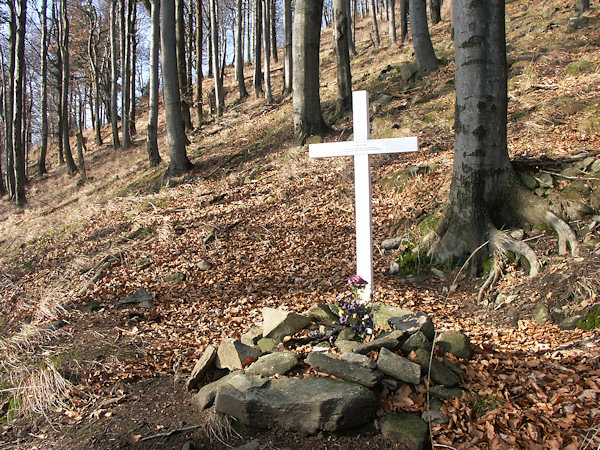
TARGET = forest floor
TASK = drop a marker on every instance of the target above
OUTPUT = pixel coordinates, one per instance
(278, 230)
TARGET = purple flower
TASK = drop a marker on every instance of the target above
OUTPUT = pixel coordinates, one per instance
(356, 281)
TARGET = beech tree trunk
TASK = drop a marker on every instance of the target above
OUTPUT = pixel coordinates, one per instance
(44, 92)
(133, 57)
(424, 53)
(114, 74)
(66, 75)
(435, 11)
(214, 29)
(17, 118)
(351, 14)
(287, 47)
(175, 132)
(308, 119)
(403, 20)
(267, 49)
(182, 64)
(376, 39)
(582, 5)
(199, 62)
(125, 72)
(392, 21)
(273, 22)
(152, 136)
(342, 54)
(239, 56)
(257, 33)
(9, 102)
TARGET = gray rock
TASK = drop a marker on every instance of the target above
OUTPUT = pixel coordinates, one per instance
(585, 163)
(398, 367)
(142, 263)
(320, 312)
(252, 445)
(385, 99)
(528, 181)
(273, 364)
(434, 414)
(408, 70)
(305, 405)
(541, 314)
(453, 367)
(267, 344)
(140, 298)
(189, 445)
(356, 358)
(415, 341)
(405, 428)
(54, 325)
(203, 365)
(173, 277)
(570, 323)
(394, 268)
(205, 265)
(423, 358)
(545, 180)
(383, 312)
(443, 392)
(411, 323)
(577, 22)
(278, 323)
(345, 346)
(91, 306)
(391, 243)
(595, 166)
(442, 374)
(205, 397)
(342, 369)
(456, 343)
(390, 342)
(232, 354)
(346, 335)
(252, 336)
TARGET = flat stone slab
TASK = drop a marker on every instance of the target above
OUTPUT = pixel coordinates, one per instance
(345, 370)
(456, 343)
(411, 323)
(205, 397)
(441, 374)
(273, 364)
(141, 298)
(398, 367)
(416, 341)
(305, 405)
(390, 342)
(232, 354)
(278, 323)
(252, 336)
(204, 364)
(406, 428)
(443, 392)
(383, 312)
(320, 312)
(361, 360)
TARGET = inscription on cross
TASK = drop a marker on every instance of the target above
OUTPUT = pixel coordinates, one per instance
(361, 149)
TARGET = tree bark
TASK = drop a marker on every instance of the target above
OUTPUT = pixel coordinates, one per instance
(403, 20)
(181, 63)
(424, 53)
(133, 54)
(17, 118)
(267, 49)
(9, 102)
(376, 39)
(257, 33)
(239, 56)
(582, 5)
(152, 130)
(351, 13)
(114, 75)
(392, 22)
(199, 62)
(342, 53)
(273, 22)
(308, 119)
(214, 29)
(66, 75)
(287, 47)
(435, 11)
(44, 91)
(175, 132)
(125, 72)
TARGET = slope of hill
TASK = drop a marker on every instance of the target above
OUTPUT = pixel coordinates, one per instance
(259, 224)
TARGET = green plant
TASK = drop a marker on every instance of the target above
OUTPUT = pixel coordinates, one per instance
(412, 260)
(591, 319)
(481, 405)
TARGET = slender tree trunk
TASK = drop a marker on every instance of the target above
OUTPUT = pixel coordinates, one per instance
(9, 99)
(308, 119)
(435, 11)
(175, 132)
(114, 73)
(273, 21)
(66, 76)
(424, 53)
(215, 50)
(190, 51)
(44, 92)
(125, 72)
(376, 39)
(152, 130)
(199, 62)
(392, 22)
(267, 49)
(19, 73)
(582, 5)
(181, 63)
(351, 14)
(342, 53)
(239, 57)
(209, 49)
(287, 47)
(133, 54)
(248, 32)
(258, 75)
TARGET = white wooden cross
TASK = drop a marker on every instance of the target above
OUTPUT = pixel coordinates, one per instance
(361, 148)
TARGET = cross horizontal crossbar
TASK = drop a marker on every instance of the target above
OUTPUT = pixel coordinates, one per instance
(369, 147)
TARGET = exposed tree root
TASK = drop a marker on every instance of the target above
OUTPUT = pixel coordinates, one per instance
(565, 234)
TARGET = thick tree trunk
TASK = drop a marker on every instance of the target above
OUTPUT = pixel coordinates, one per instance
(66, 75)
(435, 11)
(403, 20)
(342, 53)
(17, 118)
(273, 22)
(424, 53)
(199, 62)
(175, 132)
(182, 64)
(152, 136)
(267, 49)
(392, 22)
(376, 39)
(257, 33)
(114, 74)
(239, 57)
(44, 92)
(306, 40)
(214, 28)
(485, 195)
(287, 47)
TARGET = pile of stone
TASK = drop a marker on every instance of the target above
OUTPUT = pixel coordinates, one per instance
(307, 374)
